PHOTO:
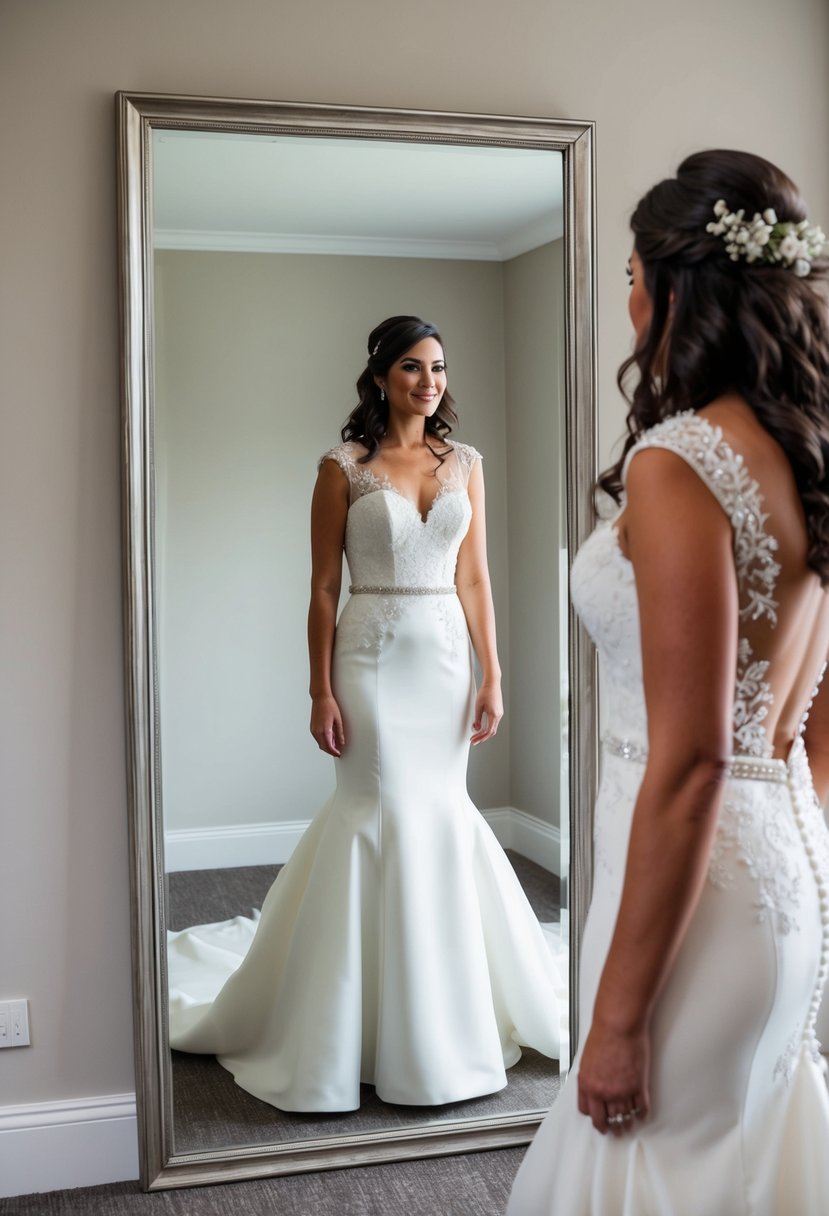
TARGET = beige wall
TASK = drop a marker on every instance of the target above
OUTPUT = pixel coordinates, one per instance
(533, 295)
(256, 355)
(256, 358)
(660, 77)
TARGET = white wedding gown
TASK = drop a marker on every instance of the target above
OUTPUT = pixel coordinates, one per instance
(396, 946)
(740, 1117)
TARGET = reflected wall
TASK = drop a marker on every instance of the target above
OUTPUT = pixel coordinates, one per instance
(256, 358)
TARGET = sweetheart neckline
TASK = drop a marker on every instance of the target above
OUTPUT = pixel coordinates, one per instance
(444, 492)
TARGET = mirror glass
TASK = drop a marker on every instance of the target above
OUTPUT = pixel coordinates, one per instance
(274, 256)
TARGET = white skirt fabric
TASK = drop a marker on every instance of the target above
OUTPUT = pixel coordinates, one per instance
(740, 1115)
(396, 947)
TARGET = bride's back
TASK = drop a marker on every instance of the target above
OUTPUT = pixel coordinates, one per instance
(795, 641)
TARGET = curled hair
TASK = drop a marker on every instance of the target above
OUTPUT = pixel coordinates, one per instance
(369, 419)
(720, 326)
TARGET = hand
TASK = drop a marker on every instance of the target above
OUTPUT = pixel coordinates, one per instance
(327, 725)
(489, 710)
(614, 1079)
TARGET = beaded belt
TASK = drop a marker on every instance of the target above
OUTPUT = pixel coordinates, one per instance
(757, 768)
(363, 590)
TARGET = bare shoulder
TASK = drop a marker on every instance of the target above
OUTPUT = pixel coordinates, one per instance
(661, 487)
(769, 468)
(668, 499)
(333, 480)
(745, 434)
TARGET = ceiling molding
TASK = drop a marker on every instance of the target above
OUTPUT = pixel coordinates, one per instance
(350, 246)
(540, 232)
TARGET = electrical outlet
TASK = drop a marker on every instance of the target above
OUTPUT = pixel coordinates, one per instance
(14, 1023)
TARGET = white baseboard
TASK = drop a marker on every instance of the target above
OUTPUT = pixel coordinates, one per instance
(527, 835)
(257, 844)
(54, 1146)
(243, 844)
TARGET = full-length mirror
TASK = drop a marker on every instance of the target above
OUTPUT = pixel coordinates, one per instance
(262, 244)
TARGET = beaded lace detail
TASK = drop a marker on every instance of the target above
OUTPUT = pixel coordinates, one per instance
(770, 855)
(452, 623)
(372, 628)
(755, 835)
(406, 561)
(752, 836)
(452, 475)
(702, 445)
(797, 1043)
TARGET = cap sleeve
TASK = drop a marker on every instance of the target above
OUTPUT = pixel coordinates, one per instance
(361, 480)
(723, 471)
(700, 445)
(340, 456)
(467, 456)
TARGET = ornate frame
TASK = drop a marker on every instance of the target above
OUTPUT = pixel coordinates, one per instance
(138, 114)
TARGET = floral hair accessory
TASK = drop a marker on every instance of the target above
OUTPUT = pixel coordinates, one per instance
(767, 239)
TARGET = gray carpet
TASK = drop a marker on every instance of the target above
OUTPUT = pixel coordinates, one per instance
(212, 1112)
(199, 897)
(476, 1184)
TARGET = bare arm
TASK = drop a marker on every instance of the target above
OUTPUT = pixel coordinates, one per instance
(329, 508)
(475, 594)
(688, 606)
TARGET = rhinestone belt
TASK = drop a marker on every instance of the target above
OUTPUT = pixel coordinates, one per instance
(364, 590)
(756, 768)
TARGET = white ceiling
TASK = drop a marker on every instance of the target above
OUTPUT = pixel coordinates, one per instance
(359, 196)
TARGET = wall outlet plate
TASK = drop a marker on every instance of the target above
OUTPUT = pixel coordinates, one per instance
(14, 1023)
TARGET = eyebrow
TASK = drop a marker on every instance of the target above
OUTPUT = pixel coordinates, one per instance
(411, 359)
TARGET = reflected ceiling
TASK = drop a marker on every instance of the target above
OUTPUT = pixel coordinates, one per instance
(393, 199)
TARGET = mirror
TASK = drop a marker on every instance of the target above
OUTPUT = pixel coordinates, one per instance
(261, 243)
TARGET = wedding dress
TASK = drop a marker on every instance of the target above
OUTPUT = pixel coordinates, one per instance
(396, 946)
(740, 1117)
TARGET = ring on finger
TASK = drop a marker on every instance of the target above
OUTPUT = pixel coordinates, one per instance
(618, 1120)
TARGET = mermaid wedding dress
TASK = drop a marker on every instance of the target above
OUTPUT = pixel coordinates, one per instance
(396, 946)
(740, 1116)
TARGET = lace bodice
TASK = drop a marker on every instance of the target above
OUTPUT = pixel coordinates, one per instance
(387, 542)
(604, 591)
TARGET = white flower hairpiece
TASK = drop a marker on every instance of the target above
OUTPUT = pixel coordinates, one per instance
(767, 239)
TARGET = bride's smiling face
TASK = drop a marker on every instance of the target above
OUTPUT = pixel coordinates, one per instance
(415, 382)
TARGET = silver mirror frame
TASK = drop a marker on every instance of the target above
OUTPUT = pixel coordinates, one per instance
(138, 115)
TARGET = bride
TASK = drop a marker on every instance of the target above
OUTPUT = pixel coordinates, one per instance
(699, 1089)
(396, 947)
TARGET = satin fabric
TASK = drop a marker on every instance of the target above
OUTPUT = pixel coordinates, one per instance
(396, 947)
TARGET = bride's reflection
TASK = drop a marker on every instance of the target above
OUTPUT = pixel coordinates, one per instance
(396, 949)
(249, 391)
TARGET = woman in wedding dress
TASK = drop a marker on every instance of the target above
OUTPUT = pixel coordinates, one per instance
(396, 947)
(698, 1088)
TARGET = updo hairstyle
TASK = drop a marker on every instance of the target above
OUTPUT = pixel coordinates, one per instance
(723, 326)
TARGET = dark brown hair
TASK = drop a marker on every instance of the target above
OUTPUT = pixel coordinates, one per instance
(367, 422)
(719, 326)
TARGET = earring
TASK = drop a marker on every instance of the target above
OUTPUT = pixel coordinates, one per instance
(382, 394)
